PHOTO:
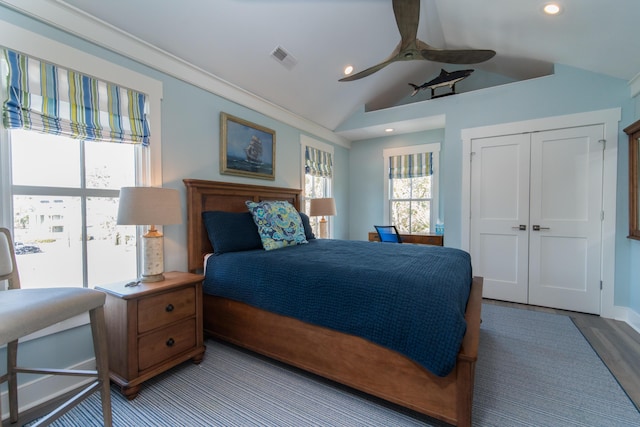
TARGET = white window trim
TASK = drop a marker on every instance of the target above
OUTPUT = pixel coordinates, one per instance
(38, 46)
(307, 141)
(435, 165)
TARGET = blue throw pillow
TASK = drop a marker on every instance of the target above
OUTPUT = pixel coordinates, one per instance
(231, 231)
(308, 231)
(279, 223)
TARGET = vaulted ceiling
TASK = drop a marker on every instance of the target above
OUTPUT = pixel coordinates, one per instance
(234, 40)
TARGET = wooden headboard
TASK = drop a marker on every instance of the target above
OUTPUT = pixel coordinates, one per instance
(222, 196)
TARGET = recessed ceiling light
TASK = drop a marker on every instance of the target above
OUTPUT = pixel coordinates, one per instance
(389, 130)
(551, 9)
(348, 70)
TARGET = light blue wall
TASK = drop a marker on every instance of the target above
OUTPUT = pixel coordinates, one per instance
(568, 91)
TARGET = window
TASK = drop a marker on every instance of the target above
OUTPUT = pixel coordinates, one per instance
(317, 158)
(411, 189)
(65, 202)
(59, 193)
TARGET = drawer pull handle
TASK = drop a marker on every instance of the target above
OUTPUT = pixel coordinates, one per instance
(169, 308)
(170, 342)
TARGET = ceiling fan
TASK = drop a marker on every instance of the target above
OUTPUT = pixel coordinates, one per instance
(407, 13)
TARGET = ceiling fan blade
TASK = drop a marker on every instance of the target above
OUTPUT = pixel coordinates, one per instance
(458, 56)
(407, 13)
(368, 71)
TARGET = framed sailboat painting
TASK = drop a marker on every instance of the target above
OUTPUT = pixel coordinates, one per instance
(246, 149)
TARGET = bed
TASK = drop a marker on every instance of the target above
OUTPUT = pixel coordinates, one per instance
(343, 357)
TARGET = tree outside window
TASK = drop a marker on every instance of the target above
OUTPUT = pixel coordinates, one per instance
(410, 204)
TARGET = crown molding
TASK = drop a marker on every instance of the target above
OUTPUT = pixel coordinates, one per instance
(63, 16)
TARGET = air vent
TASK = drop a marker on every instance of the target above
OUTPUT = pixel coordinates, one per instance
(284, 57)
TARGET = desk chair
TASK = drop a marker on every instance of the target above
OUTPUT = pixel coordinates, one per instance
(24, 311)
(388, 233)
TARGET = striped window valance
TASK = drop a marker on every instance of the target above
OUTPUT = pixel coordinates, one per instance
(51, 99)
(410, 165)
(318, 162)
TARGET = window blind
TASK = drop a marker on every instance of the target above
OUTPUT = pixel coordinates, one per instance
(47, 98)
(318, 162)
(410, 165)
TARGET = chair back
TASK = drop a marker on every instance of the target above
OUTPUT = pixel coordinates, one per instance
(8, 266)
(388, 233)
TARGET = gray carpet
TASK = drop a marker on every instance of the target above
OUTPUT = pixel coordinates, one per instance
(535, 369)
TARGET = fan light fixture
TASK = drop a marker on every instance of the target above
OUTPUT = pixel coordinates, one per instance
(551, 9)
(388, 130)
(348, 70)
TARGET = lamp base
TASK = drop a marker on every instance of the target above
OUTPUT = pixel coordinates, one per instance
(152, 258)
(323, 228)
(152, 278)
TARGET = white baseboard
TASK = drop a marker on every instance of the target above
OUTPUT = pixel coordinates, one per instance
(44, 388)
(633, 319)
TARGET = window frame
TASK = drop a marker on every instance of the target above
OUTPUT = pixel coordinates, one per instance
(306, 141)
(81, 191)
(433, 148)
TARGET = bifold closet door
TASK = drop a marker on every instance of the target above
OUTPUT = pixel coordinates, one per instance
(536, 217)
(500, 215)
(566, 218)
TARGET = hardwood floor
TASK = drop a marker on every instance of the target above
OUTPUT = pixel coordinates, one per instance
(617, 344)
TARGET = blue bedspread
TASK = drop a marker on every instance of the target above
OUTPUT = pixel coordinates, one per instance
(409, 298)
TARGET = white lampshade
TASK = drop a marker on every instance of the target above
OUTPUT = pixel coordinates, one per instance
(323, 207)
(150, 206)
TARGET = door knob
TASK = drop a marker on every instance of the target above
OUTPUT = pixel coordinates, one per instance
(521, 227)
(538, 228)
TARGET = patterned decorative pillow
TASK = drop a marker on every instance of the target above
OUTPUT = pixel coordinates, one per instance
(278, 222)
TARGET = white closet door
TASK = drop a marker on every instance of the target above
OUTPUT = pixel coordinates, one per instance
(500, 215)
(565, 218)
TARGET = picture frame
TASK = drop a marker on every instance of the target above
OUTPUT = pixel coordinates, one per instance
(246, 149)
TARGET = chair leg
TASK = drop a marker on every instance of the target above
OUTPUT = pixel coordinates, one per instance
(98, 331)
(12, 380)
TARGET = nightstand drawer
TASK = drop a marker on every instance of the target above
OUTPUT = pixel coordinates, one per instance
(157, 311)
(161, 345)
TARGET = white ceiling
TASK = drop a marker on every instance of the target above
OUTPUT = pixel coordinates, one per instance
(234, 39)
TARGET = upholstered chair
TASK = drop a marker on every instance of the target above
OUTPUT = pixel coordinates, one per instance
(24, 311)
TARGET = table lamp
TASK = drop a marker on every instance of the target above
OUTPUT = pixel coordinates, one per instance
(323, 207)
(150, 206)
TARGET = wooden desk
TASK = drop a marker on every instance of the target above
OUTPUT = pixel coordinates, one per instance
(421, 239)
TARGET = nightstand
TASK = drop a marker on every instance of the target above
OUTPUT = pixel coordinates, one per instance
(153, 327)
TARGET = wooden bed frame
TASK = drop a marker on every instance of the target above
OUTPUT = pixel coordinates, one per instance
(344, 358)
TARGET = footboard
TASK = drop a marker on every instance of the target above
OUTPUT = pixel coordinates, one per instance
(354, 361)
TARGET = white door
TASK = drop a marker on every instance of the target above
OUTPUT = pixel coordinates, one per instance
(536, 203)
(500, 215)
(565, 218)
